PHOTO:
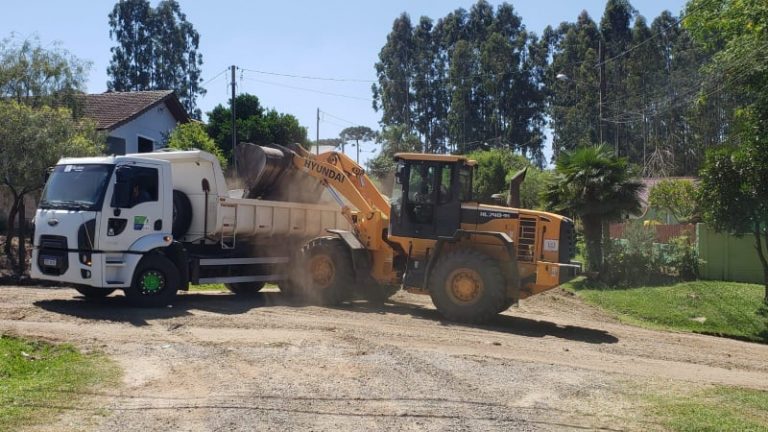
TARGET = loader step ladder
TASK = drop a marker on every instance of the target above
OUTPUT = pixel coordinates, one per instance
(229, 229)
(526, 240)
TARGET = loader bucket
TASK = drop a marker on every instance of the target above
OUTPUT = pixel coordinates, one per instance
(268, 173)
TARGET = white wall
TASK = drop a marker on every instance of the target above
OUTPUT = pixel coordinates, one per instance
(153, 124)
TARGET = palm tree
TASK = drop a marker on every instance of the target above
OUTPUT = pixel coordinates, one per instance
(597, 187)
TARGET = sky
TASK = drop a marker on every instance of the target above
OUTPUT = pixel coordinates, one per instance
(268, 39)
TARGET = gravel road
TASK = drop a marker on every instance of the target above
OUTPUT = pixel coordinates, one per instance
(217, 362)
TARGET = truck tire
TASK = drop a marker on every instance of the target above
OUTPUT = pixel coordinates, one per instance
(326, 275)
(182, 214)
(155, 282)
(245, 288)
(468, 286)
(93, 292)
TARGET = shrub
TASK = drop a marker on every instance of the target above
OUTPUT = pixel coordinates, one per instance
(637, 260)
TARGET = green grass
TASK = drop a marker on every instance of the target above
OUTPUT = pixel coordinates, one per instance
(712, 307)
(207, 287)
(221, 287)
(38, 380)
(713, 409)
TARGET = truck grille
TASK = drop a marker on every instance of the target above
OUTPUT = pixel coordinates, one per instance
(52, 258)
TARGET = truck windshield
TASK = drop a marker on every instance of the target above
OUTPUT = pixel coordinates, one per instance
(76, 187)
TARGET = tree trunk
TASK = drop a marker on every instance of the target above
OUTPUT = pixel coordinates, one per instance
(593, 233)
(10, 233)
(764, 261)
(22, 264)
(761, 255)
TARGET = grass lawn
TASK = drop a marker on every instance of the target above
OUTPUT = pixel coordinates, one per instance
(36, 377)
(728, 309)
(207, 287)
(221, 287)
(713, 409)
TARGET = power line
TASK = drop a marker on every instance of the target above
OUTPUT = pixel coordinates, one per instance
(309, 90)
(216, 76)
(341, 119)
(308, 77)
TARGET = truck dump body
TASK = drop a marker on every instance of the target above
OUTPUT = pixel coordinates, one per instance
(229, 215)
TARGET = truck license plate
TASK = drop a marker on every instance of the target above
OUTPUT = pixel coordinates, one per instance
(49, 262)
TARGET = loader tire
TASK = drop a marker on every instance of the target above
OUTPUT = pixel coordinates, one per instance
(155, 282)
(245, 288)
(326, 276)
(182, 214)
(468, 286)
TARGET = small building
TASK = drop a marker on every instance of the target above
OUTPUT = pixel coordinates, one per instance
(135, 122)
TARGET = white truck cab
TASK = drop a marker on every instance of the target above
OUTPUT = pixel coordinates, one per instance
(97, 216)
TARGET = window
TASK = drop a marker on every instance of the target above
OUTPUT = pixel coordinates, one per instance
(76, 187)
(421, 192)
(146, 145)
(465, 184)
(446, 177)
(142, 183)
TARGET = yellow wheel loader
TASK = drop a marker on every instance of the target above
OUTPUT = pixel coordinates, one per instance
(430, 237)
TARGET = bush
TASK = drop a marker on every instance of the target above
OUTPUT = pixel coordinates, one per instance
(637, 260)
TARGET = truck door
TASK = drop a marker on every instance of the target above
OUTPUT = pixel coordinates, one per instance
(135, 206)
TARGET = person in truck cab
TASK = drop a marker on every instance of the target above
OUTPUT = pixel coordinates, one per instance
(139, 194)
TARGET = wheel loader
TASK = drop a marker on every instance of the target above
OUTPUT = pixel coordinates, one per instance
(431, 236)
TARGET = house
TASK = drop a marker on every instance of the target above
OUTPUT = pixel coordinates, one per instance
(135, 122)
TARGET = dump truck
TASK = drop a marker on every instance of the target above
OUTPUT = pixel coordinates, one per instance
(154, 223)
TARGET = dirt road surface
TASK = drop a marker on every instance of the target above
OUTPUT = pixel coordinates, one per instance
(217, 362)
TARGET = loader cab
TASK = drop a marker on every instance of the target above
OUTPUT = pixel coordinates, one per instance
(427, 195)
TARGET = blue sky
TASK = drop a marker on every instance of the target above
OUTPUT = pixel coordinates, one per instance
(332, 38)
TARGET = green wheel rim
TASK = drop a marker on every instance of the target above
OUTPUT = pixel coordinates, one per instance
(152, 282)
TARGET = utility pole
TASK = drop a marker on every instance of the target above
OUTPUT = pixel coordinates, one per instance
(234, 123)
(317, 141)
(600, 86)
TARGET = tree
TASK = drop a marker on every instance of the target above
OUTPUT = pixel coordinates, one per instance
(356, 134)
(594, 185)
(472, 80)
(393, 139)
(495, 169)
(676, 197)
(31, 140)
(733, 195)
(156, 50)
(192, 135)
(35, 75)
(255, 124)
(573, 84)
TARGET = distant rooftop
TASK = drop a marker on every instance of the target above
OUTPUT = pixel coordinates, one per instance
(113, 109)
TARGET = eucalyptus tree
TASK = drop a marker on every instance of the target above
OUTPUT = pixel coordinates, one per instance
(157, 49)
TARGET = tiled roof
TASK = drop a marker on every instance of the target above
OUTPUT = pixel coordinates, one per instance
(113, 109)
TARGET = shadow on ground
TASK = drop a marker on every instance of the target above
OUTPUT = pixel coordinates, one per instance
(501, 323)
(115, 308)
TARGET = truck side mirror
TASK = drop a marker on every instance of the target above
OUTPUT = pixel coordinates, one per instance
(121, 197)
(47, 174)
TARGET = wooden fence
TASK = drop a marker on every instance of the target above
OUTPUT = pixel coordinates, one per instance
(664, 233)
